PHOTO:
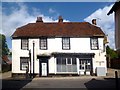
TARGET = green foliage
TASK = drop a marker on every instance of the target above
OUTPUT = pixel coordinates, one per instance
(113, 54)
(4, 50)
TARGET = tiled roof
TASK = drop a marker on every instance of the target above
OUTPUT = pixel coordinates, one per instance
(58, 29)
(6, 60)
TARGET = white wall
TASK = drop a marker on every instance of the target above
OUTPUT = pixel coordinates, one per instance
(16, 54)
(78, 45)
(52, 65)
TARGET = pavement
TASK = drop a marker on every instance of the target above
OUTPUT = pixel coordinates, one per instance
(86, 82)
(5, 75)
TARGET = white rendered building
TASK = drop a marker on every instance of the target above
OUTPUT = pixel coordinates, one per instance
(58, 48)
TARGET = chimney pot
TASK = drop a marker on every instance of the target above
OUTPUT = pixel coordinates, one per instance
(39, 19)
(60, 19)
(94, 22)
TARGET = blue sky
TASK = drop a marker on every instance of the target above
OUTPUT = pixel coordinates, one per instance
(16, 14)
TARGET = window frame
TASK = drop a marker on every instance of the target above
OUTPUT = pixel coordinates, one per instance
(21, 62)
(67, 61)
(24, 47)
(65, 67)
(44, 42)
(91, 43)
(65, 45)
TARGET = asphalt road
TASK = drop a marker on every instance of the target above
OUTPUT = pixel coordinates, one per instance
(72, 82)
(76, 82)
(86, 82)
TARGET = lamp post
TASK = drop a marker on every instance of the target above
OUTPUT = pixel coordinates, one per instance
(33, 57)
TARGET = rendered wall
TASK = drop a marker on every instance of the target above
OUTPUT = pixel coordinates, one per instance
(78, 45)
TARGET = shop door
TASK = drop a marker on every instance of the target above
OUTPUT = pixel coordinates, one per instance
(84, 66)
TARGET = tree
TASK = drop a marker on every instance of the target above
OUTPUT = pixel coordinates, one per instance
(4, 50)
(110, 52)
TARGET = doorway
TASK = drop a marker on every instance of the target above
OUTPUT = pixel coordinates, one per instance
(43, 65)
(85, 66)
(43, 69)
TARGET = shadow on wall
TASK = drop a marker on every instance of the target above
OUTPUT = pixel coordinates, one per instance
(102, 84)
(14, 84)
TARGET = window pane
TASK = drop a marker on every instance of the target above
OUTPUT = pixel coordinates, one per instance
(59, 61)
(43, 43)
(94, 43)
(69, 68)
(66, 43)
(68, 60)
(74, 68)
(73, 60)
(59, 68)
(64, 61)
(23, 63)
(24, 44)
(63, 68)
(65, 65)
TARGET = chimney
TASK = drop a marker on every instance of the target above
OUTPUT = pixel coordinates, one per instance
(39, 19)
(60, 19)
(94, 22)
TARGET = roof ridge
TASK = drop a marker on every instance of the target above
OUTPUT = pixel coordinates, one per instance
(61, 23)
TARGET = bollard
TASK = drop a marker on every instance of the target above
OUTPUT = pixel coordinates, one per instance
(116, 80)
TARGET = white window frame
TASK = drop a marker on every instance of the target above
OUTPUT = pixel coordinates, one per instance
(94, 43)
(24, 44)
(67, 61)
(24, 64)
(66, 43)
(43, 43)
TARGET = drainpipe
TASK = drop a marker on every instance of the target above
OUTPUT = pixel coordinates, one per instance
(30, 61)
(33, 58)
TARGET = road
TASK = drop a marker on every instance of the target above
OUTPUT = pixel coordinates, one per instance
(86, 82)
(71, 82)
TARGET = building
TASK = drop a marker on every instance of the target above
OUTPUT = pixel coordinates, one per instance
(116, 9)
(58, 48)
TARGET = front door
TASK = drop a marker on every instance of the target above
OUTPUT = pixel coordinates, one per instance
(43, 66)
(44, 69)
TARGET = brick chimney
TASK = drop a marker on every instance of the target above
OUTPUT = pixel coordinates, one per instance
(60, 19)
(94, 22)
(39, 19)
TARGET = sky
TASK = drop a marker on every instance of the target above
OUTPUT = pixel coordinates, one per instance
(17, 14)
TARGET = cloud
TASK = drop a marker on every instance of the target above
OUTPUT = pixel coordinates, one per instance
(105, 22)
(19, 16)
(51, 10)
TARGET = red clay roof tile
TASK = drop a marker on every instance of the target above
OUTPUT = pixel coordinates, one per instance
(64, 29)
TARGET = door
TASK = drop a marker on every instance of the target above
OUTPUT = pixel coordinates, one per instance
(44, 69)
(85, 66)
(82, 67)
(43, 65)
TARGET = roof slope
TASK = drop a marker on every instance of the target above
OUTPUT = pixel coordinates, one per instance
(64, 29)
